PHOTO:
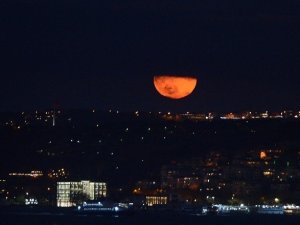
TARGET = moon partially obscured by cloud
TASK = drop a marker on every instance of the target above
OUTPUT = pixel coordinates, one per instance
(174, 87)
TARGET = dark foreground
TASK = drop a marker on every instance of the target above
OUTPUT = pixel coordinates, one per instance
(150, 218)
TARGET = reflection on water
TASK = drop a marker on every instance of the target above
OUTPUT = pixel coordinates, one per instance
(148, 219)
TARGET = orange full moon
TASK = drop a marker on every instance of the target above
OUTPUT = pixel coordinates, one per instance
(174, 87)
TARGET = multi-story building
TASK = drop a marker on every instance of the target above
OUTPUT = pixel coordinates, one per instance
(156, 200)
(183, 175)
(72, 193)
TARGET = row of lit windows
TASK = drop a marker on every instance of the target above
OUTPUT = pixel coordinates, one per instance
(156, 200)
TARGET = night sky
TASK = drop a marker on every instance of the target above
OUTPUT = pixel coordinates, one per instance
(104, 54)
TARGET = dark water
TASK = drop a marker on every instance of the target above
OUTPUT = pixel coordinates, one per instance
(148, 219)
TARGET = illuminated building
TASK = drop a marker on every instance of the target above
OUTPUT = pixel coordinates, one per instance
(72, 193)
(156, 200)
(182, 175)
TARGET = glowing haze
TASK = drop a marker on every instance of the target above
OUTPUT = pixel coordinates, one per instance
(174, 87)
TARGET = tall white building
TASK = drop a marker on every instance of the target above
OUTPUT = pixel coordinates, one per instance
(71, 193)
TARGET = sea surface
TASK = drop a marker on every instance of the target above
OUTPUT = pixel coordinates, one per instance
(146, 219)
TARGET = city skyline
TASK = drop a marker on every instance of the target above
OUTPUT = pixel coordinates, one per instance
(149, 112)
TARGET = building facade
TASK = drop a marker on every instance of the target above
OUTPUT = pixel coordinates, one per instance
(156, 200)
(72, 193)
